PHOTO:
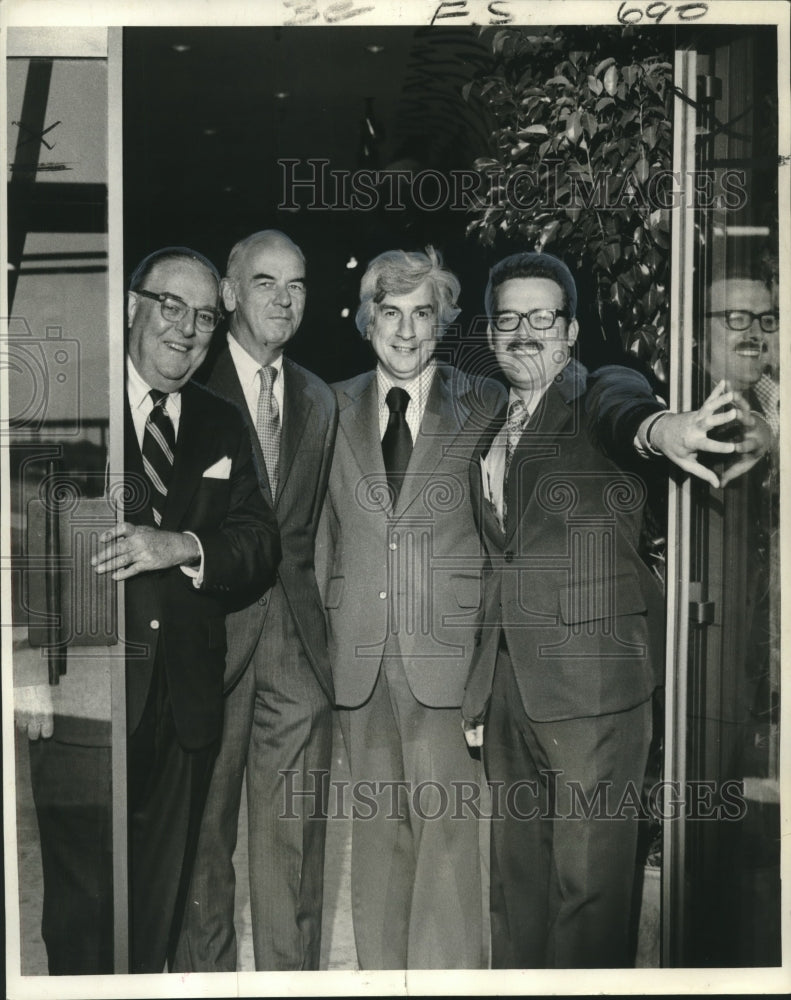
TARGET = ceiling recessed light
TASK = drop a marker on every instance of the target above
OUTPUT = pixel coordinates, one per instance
(181, 48)
(351, 263)
(374, 49)
(345, 313)
(210, 131)
(281, 95)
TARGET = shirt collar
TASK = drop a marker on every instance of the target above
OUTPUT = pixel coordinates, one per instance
(247, 367)
(418, 387)
(137, 390)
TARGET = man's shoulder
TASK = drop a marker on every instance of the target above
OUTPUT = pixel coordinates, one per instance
(488, 393)
(310, 382)
(213, 404)
(351, 388)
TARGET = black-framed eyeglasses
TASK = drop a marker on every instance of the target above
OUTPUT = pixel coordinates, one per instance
(743, 319)
(538, 319)
(174, 309)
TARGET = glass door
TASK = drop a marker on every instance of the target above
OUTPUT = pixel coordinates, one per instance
(722, 844)
(62, 372)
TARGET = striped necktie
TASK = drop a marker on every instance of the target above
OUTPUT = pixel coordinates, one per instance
(159, 443)
(267, 425)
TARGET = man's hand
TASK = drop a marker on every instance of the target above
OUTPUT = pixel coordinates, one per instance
(129, 549)
(473, 734)
(680, 436)
(33, 712)
(755, 444)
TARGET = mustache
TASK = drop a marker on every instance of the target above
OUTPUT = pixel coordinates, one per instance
(519, 342)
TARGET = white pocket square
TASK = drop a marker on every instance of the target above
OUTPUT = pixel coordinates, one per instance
(220, 470)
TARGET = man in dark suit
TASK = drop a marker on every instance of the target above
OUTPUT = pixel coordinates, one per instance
(198, 534)
(278, 680)
(571, 648)
(401, 575)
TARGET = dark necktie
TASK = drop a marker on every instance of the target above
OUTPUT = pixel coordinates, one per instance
(159, 443)
(397, 442)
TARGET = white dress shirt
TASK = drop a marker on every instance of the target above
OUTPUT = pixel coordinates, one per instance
(247, 369)
(418, 389)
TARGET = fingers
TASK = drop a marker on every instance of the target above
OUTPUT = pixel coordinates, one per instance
(474, 737)
(121, 530)
(696, 469)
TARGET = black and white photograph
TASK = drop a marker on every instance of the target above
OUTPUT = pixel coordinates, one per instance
(391, 525)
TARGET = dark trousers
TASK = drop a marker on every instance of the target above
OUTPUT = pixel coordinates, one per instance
(562, 871)
(416, 871)
(72, 794)
(167, 788)
(277, 728)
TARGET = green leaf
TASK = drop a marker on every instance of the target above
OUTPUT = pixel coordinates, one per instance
(596, 86)
(563, 80)
(603, 65)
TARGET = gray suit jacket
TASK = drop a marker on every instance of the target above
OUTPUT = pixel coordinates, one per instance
(405, 580)
(310, 418)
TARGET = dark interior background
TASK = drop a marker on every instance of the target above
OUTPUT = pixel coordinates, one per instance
(208, 112)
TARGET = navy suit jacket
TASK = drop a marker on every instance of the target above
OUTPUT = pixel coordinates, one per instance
(166, 615)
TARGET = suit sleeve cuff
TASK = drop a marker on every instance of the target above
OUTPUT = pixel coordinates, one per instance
(195, 572)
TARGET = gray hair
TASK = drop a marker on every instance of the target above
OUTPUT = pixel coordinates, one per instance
(262, 236)
(398, 272)
(147, 264)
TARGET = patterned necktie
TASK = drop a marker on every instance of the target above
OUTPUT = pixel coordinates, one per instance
(768, 393)
(514, 425)
(397, 442)
(267, 425)
(159, 443)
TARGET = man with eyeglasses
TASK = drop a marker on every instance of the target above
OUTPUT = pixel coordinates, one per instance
(743, 322)
(198, 539)
(571, 647)
(278, 684)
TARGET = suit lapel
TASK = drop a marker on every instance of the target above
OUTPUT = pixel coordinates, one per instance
(224, 380)
(190, 458)
(443, 419)
(483, 511)
(358, 420)
(297, 407)
(537, 446)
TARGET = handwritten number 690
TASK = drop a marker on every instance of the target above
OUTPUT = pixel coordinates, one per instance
(657, 10)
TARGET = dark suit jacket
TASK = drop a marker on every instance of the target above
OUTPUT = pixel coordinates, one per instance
(310, 418)
(166, 614)
(581, 612)
(408, 579)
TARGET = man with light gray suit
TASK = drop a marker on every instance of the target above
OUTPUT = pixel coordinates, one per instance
(278, 680)
(400, 562)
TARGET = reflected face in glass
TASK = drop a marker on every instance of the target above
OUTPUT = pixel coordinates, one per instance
(738, 355)
(265, 296)
(530, 358)
(166, 353)
(404, 331)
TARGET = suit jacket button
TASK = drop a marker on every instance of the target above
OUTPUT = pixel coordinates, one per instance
(382, 595)
(154, 624)
(393, 546)
(509, 556)
(262, 601)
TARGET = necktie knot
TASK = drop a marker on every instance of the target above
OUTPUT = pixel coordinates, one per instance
(267, 374)
(158, 397)
(397, 400)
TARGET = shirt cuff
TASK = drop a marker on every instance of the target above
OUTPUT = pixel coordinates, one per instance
(196, 573)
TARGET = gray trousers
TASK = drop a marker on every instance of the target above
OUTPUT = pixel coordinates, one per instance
(277, 726)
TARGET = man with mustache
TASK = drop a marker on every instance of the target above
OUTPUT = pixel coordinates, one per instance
(571, 648)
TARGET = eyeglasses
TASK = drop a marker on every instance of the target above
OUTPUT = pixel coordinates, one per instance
(538, 319)
(174, 309)
(743, 319)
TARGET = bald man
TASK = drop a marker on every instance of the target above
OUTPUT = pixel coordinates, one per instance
(278, 680)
